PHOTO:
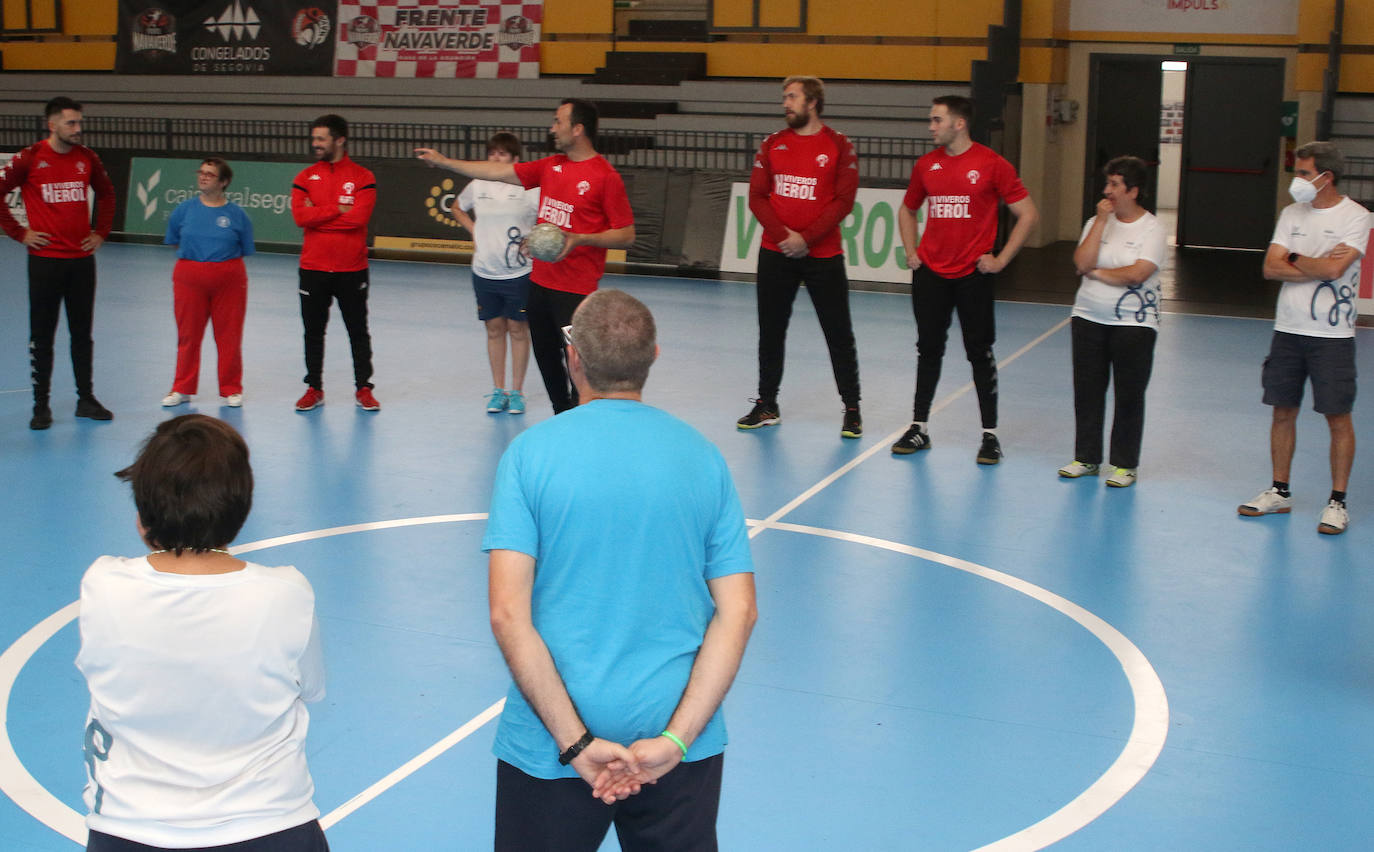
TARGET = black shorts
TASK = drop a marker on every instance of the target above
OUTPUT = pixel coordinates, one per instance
(1328, 361)
(307, 837)
(503, 297)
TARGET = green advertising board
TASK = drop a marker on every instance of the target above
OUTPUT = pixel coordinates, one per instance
(869, 236)
(158, 184)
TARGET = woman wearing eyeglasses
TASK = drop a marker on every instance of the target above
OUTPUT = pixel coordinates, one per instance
(209, 283)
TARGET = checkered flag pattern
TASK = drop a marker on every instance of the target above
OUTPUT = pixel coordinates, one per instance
(367, 45)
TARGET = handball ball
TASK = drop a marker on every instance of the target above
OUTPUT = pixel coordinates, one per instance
(545, 241)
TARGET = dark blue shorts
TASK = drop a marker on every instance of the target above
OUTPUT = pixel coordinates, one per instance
(501, 298)
(1328, 361)
(308, 837)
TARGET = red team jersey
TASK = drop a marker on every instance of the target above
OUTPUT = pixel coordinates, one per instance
(334, 241)
(961, 220)
(806, 183)
(585, 197)
(56, 189)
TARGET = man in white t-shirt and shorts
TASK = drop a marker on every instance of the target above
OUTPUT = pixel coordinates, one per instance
(1316, 253)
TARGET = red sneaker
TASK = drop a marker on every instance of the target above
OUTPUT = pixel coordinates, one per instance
(366, 401)
(312, 398)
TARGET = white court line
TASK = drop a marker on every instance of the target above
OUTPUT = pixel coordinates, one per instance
(1148, 731)
(15, 780)
(409, 767)
(1143, 746)
(871, 451)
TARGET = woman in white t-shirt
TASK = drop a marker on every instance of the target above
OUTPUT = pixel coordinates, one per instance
(1115, 321)
(198, 666)
(504, 213)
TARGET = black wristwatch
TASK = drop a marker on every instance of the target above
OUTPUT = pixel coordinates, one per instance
(1292, 258)
(576, 748)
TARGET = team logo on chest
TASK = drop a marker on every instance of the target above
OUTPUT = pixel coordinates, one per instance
(822, 160)
(80, 167)
(973, 176)
(583, 187)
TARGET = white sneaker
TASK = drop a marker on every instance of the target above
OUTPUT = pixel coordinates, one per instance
(1075, 469)
(175, 398)
(1334, 519)
(234, 400)
(1269, 502)
(1124, 477)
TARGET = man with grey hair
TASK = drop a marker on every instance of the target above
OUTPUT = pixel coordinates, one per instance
(624, 641)
(1315, 252)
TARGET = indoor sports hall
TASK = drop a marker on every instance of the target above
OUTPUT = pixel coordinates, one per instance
(949, 655)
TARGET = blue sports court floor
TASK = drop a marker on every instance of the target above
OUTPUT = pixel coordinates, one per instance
(948, 657)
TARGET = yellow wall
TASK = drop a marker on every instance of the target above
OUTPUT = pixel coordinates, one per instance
(579, 37)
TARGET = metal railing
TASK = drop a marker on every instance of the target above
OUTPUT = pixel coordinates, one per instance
(880, 158)
(1358, 180)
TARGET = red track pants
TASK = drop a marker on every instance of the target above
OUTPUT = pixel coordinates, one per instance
(217, 292)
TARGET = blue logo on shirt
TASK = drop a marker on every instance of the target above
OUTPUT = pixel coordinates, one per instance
(1343, 303)
(1146, 301)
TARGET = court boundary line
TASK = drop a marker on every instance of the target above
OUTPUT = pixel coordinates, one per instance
(1144, 744)
(788, 507)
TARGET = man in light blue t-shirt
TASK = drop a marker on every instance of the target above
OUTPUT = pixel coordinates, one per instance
(622, 596)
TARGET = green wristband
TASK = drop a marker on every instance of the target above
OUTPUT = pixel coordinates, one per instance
(680, 744)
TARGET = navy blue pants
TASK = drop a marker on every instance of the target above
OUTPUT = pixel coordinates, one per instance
(678, 814)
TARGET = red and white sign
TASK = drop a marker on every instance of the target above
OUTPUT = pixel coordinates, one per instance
(1238, 17)
(438, 38)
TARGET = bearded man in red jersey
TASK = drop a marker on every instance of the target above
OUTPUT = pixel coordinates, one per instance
(803, 184)
(55, 178)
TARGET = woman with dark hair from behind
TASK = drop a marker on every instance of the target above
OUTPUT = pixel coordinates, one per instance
(199, 665)
(1115, 321)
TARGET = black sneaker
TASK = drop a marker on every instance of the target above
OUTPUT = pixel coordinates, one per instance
(89, 406)
(853, 425)
(42, 417)
(991, 450)
(915, 439)
(763, 414)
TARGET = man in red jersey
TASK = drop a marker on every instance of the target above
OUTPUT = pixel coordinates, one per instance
(953, 267)
(333, 201)
(582, 193)
(55, 178)
(803, 184)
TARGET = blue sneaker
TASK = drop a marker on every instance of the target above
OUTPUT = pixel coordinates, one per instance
(515, 402)
(497, 401)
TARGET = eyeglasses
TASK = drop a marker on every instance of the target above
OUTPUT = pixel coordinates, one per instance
(567, 336)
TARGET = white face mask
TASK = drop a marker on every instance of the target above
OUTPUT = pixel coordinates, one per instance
(1302, 190)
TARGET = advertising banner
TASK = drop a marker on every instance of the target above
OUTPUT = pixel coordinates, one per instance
(1247, 17)
(16, 204)
(438, 38)
(226, 37)
(872, 245)
(415, 207)
(157, 185)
